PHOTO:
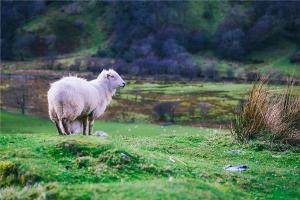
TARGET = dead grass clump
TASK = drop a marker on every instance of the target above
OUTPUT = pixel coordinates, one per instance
(268, 115)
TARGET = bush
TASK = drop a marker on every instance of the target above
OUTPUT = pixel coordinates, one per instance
(230, 74)
(197, 41)
(295, 57)
(204, 109)
(23, 44)
(75, 66)
(269, 117)
(210, 72)
(171, 48)
(165, 111)
(232, 44)
(68, 36)
(265, 29)
(252, 76)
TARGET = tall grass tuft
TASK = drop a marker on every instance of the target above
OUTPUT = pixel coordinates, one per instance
(269, 115)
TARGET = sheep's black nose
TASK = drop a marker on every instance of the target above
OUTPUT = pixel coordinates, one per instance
(123, 85)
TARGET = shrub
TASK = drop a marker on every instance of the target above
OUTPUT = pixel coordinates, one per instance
(49, 62)
(230, 74)
(231, 44)
(269, 117)
(75, 66)
(68, 36)
(295, 57)
(204, 109)
(210, 72)
(171, 48)
(265, 29)
(165, 111)
(197, 41)
(23, 44)
(252, 76)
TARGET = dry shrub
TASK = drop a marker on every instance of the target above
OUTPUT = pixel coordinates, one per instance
(269, 116)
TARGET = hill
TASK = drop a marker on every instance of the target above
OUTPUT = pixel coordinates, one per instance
(137, 161)
(200, 36)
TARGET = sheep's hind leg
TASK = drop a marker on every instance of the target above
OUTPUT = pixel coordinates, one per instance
(65, 125)
(84, 123)
(91, 124)
(58, 128)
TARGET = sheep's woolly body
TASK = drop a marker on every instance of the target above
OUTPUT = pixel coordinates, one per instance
(72, 97)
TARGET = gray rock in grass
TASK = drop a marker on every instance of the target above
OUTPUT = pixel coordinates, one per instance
(101, 134)
(237, 168)
(234, 152)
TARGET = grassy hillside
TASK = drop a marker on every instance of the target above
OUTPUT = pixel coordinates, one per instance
(138, 161)
(56, 21)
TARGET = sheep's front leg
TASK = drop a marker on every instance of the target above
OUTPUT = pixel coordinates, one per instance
(84, 123)
(58, 128)
(65, 125)
(91, 124)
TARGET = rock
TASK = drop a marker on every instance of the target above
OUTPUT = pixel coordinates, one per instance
(234, 152)
(172, 159)
(125, 157)
(235, 168)
(101, 134)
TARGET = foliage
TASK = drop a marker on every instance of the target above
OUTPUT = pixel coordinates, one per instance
(269, 116)
(166, 111)
(15, 14)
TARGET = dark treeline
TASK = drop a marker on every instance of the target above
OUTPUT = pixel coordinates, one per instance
(156, 37)
(153, 23)
(13, 15)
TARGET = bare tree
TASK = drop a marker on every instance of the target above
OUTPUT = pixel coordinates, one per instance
(204, 109)
(20, 94)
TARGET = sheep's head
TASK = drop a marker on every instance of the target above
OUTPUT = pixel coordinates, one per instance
(113, 78)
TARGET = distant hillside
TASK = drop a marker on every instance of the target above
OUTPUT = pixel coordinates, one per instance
(192, 39)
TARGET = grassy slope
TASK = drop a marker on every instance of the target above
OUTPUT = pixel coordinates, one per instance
(171, 162)
(93, 34)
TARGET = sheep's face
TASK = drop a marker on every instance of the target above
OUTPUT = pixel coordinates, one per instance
(114, 79)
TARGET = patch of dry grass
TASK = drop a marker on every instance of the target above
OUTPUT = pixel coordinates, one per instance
(269, 116)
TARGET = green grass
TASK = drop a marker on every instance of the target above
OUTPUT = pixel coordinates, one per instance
(172, 162)
(91, 37)
(198, 16)
(224, 97)
(276, 58)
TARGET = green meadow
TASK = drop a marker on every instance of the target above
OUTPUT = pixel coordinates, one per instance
(138, 161)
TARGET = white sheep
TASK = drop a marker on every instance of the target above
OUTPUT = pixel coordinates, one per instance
(74, 103)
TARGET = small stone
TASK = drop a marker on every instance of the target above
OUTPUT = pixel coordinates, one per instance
(235, 168)
(234, 152)
(171, 159)
(101, 134)
(125, 157)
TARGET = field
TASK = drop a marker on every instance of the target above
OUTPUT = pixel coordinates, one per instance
(138, 161)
